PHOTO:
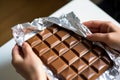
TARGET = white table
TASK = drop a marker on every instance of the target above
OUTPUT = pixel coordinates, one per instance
(84, 9)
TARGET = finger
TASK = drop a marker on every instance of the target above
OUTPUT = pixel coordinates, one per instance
(102, 26)
(27, 50)
(97, 26)
(112, 27)
(48, 77)
(100, 37)
(94, 26)
(16, 54)
(95, 23)
(94, 30)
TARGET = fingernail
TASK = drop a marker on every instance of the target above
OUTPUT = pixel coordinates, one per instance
(89, 36)
(24, 43)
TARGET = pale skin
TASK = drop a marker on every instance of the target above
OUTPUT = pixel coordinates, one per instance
(105, 32)
(27, 63)
(30, 66)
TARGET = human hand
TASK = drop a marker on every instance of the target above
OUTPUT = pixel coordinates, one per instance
(105, 32)
(27, 63)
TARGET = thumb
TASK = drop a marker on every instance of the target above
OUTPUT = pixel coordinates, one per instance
(100, 37)
(27, 50)
(16, 54)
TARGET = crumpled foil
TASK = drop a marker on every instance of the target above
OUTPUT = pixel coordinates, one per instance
(22, 32)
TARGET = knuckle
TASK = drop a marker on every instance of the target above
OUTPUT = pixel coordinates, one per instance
(92, 22)
(107, 37)
(108, 22)
(99, 35)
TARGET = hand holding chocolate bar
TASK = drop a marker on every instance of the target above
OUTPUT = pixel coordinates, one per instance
(27, 63)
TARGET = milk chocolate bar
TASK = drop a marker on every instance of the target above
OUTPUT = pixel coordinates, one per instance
(68, 55)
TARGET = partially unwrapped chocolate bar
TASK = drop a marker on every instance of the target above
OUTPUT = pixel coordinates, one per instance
(62, 46)
(68, 55)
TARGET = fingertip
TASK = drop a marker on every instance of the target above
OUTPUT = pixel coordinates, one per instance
(15, 53)
(25, 44)
(89, 36)
(26, 48)
(87, 22)
(15, 49)
(90, 24)
(93, 37)
(99, 37)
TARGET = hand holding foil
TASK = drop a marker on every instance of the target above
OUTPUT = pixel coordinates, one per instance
(27, 63)
(108, 34)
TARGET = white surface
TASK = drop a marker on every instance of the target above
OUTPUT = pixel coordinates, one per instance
(84, 9)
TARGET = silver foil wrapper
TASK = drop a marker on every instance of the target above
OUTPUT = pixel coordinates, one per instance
(22, 32)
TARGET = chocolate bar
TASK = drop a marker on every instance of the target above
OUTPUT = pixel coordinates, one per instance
(68, 55)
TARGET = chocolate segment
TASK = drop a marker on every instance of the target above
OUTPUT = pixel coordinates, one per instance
(41, 49)
(58, 66)
(89, 58)
(68, 55)
(48, 57)
(44, 34)
(34, 41)
(60, 49)
(68, 74)
(52, 41)
(77, 78)
(80, 49)
(88, 74)
(71, 41)
(79, 65)
(62, 35)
